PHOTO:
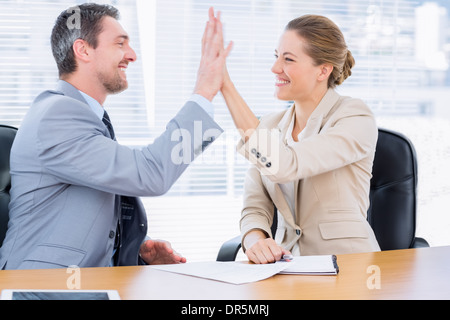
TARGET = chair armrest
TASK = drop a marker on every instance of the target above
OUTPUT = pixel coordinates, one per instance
(229, 249)
(420, 243)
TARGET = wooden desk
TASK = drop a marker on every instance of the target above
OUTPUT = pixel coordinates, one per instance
(405, 274)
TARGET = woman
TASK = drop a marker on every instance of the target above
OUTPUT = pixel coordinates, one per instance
(312, 161)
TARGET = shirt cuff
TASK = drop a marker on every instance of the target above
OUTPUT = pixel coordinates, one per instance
(204, 103)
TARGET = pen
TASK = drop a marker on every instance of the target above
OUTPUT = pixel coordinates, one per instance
(288, 257)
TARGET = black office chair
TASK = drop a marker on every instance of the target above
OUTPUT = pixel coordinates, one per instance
(7, 135)
(393, 193)
(393, 197)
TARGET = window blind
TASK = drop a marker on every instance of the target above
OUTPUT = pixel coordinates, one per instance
(202, 210)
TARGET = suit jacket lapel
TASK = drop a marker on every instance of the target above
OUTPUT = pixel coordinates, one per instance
(279, 201)
(313, 127)
(315, 121)
(320, 114)
(274, 189)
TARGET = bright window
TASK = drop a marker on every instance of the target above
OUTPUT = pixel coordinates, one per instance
(401, 49)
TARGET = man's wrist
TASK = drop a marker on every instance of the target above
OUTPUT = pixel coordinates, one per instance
(205, 95)
(203, 103)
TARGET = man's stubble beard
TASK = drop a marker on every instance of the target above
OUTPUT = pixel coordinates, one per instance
(113, 85)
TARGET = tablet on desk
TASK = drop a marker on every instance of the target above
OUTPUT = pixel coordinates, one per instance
(60, 295)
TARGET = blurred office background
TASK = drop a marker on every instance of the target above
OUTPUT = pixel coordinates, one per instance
(402, 52)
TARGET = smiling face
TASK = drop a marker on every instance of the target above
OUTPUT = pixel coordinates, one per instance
(297, 77)
(112, 56)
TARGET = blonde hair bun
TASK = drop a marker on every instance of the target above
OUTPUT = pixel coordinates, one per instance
(346, 69)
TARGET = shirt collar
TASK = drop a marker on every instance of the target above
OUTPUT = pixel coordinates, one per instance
(95, 106)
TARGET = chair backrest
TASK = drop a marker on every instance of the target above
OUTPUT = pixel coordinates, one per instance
(392, 212)
(7, 135)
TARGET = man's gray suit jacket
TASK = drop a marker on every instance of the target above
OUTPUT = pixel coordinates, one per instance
(72, 184)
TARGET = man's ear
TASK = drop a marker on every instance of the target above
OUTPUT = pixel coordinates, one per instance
(81, 50)
(325, 71)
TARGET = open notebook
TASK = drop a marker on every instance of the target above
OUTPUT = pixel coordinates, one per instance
(312, 265)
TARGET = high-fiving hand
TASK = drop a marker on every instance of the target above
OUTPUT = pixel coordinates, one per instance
(210, 73)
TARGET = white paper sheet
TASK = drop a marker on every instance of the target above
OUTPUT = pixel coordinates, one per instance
(239, 272)
(231, 272)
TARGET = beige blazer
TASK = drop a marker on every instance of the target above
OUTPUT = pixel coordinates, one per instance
(331, 167)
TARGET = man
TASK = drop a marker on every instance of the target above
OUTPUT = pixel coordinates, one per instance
(74, 188)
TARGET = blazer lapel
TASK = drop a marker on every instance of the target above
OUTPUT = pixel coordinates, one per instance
(313, 127)
(274, 189)
(285, 122)
(316, 120)
(279, 201)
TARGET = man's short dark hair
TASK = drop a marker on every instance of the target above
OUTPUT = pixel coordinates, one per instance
(80, 22)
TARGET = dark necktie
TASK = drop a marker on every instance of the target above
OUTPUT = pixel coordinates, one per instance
(107, 121)
(108, 125)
